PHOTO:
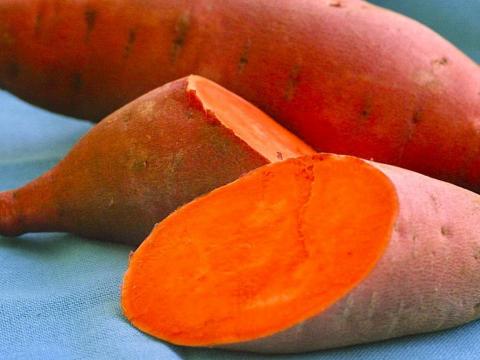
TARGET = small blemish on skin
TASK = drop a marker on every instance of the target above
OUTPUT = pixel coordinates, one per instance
(181, 29)
(442, 61)
(279, 155)
(348, 306)
(139, 165)
(38, 23)
(445, 231)
(476, 308)
(416, 117)
(243, 62)
(476, 255)
(132, 38)
(372, 305)
(292, 83)
(367, 109)
(434, 202)
(414, 246)
(90, 17)
(335, 3)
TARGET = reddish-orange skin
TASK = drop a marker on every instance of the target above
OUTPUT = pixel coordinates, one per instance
(136, 167)
(346, 76)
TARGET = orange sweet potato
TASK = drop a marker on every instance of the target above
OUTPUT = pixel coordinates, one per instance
(345, 76)
(310, 253)
(140, 163)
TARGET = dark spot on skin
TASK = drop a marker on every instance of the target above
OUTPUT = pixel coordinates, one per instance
(242, 63)
(38, 23)
(139, 165)
(90, 16)
(279, 155)
(181, 29)
(335, 3)
(13, 70)
(367, 109)
(434, 201)
(132, 37)
(396, 226)
(476, 309)
(442, 61)
(77, 82)
(292, 83)
(416, 117)
(476, 256)
(400, 228)
(445, 231)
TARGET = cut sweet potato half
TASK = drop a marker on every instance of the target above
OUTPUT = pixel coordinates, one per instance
(262, 254)
(142, 162)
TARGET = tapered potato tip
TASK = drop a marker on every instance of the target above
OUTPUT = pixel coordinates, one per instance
(10, 224)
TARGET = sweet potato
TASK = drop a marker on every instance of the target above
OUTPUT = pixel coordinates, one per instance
(139, 164)
(346, 76)
(310, 253)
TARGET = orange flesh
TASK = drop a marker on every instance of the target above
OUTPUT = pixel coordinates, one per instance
(261, 254)
(264, 135)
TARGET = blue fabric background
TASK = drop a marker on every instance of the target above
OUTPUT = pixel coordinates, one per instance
(59, 294)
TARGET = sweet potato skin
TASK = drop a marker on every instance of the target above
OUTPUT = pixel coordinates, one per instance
(133, 169)
(427, 280)
(346, 76)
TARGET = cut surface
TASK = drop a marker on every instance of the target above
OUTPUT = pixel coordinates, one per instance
(261, 254)
(249, 123)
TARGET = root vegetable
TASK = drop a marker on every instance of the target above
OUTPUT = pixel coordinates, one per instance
(346, 76)
(310, 253)
(140, 163)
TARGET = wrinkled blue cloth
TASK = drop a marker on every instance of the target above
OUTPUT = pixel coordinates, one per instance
(59, 294)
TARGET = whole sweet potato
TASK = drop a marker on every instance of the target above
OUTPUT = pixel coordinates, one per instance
(344, 75)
